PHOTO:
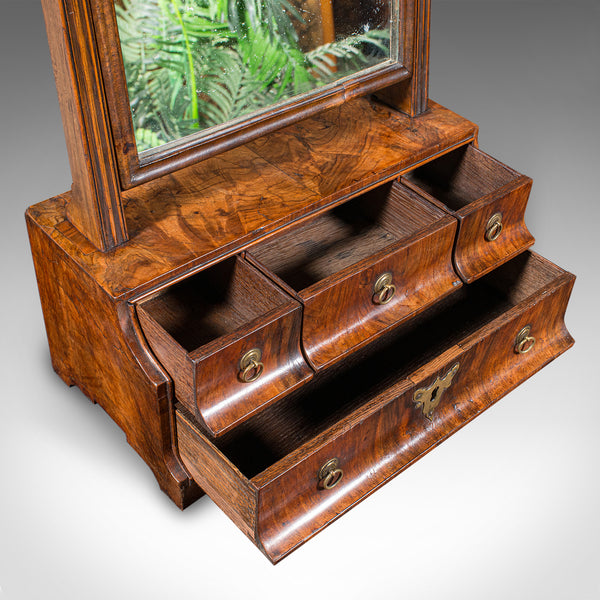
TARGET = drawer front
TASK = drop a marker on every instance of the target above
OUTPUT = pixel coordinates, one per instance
(343, 317)
(416, 415)
(492, 231)
(250, 373)
(451, 391)
(229, 338)
(282, 494)
(489, 200)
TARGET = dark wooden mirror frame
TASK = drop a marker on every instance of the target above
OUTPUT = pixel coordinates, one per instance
(88, 66)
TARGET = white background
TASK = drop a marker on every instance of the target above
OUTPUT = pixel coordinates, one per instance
(507, 508)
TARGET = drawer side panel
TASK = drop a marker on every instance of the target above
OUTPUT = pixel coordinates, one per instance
(226, 486)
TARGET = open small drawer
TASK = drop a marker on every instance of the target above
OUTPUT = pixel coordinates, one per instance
(229, 338)
(362, 268)
(488, 199)
(291, 470)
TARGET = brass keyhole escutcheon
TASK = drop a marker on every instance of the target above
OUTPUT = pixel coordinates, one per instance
(330, 474)
(384, 289)
(250, 366)
(430, 397)
(524, 342)
(493, 229)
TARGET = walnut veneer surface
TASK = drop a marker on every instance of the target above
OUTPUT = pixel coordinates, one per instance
(474, 187)
(217, 207)
(264, 474)
(288, 311)
(189, 220)
(153, 330)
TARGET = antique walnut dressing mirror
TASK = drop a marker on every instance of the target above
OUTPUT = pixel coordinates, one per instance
(282, 270)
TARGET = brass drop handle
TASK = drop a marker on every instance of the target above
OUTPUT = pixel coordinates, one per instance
(493, 229)
(384, 289)
(524, 342)
(330, 474)
(250, 366)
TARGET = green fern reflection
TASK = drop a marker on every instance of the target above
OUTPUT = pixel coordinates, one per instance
(194, 64)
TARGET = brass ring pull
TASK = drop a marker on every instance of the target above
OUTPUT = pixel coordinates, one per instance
(250, 366)
(384, 289)
(493, 229)
(524, 342)
(330, 474)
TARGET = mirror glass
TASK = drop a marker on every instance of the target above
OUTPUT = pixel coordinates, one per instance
(195, 65)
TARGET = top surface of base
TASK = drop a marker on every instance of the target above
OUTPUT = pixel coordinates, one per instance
(208, 211)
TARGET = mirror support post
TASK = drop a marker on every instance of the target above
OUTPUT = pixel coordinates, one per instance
(95, 205)
(411, 96)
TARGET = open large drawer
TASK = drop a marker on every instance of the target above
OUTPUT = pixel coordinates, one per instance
(291, 470)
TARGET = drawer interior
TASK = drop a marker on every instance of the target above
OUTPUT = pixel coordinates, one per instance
(461, 177)
(345, 235)
(285, 426)
(214, 303)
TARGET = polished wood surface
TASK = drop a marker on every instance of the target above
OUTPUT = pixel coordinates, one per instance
(332, 263)
(218, 207)
(184, 223)
(374, 427)
(474, 187)
(95, 343)
(411, 95)
(200, 330)
(364, 221)
(159, 278)
(88, 68)
(361, 143)
(94, 205)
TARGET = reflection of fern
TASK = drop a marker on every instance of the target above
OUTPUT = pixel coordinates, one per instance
(353, 50)
(192, 64)
(227, 89)
(148, 138)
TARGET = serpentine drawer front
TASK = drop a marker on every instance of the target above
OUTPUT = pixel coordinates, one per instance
(362, 268)
(292, 469)
(488, 199)
(229, 338)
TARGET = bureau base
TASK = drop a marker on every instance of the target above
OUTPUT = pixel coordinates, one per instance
(360, 408)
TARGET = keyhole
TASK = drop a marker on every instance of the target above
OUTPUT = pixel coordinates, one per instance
(434, 393)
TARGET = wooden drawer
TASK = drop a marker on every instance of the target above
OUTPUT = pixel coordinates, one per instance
(209, 328)
(376, 415)
(489, 201)
(362, 268)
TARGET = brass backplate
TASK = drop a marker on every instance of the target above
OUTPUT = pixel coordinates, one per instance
(430, 397)
(252, 356)
(330, 474)
(384, 289)
(494, 227)
(250, 366)
(524, 342)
